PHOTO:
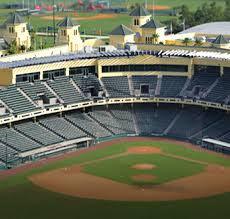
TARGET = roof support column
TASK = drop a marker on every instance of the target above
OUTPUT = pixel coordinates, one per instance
(221, 70)
(67, 71)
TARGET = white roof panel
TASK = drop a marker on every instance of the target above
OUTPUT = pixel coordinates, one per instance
(215, 28)
(217, 142)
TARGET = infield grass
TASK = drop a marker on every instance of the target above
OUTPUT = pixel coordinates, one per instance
(166, 168)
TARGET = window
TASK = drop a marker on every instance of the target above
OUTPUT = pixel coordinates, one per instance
(206, 69)
(28, 77)
(75, 32)
(63, 32)
(145, 68)
(11, 30)
(54, 73)
(82, 70)
(136, 22)
(148, 40)
(23, 29)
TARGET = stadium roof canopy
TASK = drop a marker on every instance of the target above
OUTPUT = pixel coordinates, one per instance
(118, 53)
(122, 30)
(215, 28)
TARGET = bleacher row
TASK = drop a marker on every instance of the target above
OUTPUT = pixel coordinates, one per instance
(189, 122)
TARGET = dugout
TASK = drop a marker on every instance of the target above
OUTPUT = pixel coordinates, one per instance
(216, 145)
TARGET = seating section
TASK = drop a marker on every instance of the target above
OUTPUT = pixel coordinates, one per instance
(38, 133)
(16, 140)
(203, 80)
(215, 130)
(225, 137)
(62, 127)
(104, 118)
(16, 101)
(221, 91)
(33, 89)
(65, 90)
(182, 126)
(7, 154)
(171, 86)
(85, 83)
(117, 86)
(153, 120)
(145, 80)
(88, 125)
(124, 115)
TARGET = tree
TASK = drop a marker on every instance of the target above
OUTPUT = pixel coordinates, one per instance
(186, 15)
(33, 39)
(227, 3)
(227, 10)
(13, 48)
(155, 38)
(186, 41)
(198, 42)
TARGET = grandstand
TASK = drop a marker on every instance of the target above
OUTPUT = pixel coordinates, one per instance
(71, 105)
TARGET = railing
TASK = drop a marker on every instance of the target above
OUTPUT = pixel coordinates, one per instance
(130, 100)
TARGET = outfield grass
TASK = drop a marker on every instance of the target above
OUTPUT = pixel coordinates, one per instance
(21, 199)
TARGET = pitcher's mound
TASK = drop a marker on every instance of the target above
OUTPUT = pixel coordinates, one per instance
(143, 178)
(144, 150)
(143, 166)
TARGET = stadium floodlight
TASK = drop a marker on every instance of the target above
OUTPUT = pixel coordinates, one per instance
(54, 25)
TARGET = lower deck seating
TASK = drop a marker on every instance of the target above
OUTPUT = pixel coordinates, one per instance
(7, 154)
(188, 122)
(215, 130)
(16, 140)
(124, 115)
(152, 119)
(62, 127)
(103, 117)
(88, 125)
(38, 133)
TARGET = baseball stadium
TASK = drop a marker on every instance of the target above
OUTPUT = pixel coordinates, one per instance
(139, 131)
